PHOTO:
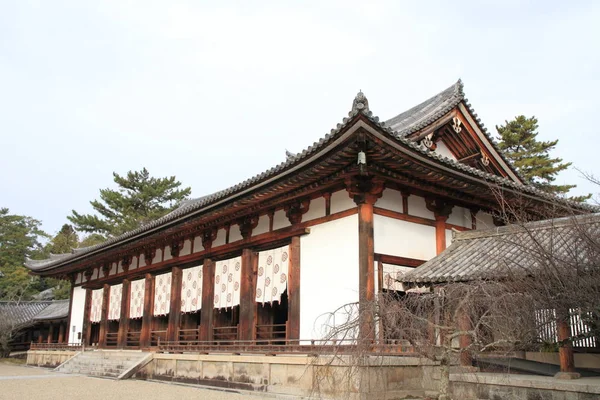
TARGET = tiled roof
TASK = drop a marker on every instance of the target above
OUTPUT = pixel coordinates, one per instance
(494, 253)
(22, 312)
(57, 309)
(424, 114)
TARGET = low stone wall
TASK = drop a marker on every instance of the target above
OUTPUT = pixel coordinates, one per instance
(48, 359)
(484, 386)
(384, 377)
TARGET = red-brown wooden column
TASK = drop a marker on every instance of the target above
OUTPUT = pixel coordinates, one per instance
(147, 317)
(104, 317)
(208, 300)
(67, 333)
(50, 332)
(61, 333)
(464, 325)
(86, 329)
(365, 192)
(441, 210)
(248, 295)
(124, 317)
(293, 288)
(175, 306)
(565, 351)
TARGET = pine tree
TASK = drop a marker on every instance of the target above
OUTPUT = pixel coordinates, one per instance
(138, 200)
(518, 140)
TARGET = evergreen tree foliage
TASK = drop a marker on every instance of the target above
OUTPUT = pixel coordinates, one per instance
(64, 242)
(20, 237)
(138, 200)
(530, 156)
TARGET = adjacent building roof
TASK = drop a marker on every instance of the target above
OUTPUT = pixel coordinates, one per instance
(396, 129)
(29, 312)
(513, 249)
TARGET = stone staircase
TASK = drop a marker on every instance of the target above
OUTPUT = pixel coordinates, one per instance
(112, 364)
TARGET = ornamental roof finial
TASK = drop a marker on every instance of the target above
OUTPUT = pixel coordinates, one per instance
(360, 103)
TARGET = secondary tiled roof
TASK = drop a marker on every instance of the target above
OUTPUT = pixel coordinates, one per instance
(424, 114)
(57, 309)
(22, 312)
(512, 249)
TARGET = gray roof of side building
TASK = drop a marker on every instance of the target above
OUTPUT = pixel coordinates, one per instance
(58, 309)
(513, 249)
(424, 114)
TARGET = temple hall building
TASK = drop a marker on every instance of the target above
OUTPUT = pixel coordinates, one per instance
(265, 260)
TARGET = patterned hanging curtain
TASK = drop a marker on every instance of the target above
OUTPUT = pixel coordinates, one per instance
(162, 294)
(191, 289)
(96, 311)
(114, 303)
(391, 273)
(136, 301)
(227, 282)
(272, 276)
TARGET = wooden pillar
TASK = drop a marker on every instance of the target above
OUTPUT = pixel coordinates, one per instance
(41, 337)
(248, 295)
(565, 351)
(104, 317)
(50, 333)
(175, 306)
(208, 300)
(67, 333)
(86, 330)
(61, 332)
(124, 317)
(293, 288)
(464, 325)
(145, 336)
(365, 192)
(441, 210)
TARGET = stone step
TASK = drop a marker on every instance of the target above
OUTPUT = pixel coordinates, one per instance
(109, 364)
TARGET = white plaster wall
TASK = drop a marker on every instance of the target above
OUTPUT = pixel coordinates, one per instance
(402, 238)
(167, 253)
(340, 201)
(460, 216)
(329, 272)
(77, 309)
(390, 200)
(263, 225)
(448, 237)
(443, 150)
(235, 234)
(198, 244)
(94, 274)
(187, 248)
(142, 261)
(484, 220)
(134, 263)
(78, 279)
(157, 256)
(416, 206)
(280, 220)
(220, 239)
(316, 209)
(120, 267)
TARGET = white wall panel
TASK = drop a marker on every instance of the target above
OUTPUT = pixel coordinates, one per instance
(263, 225)
(403, 239)
(316, 209)
(340, 201)
(329, 272)
(280, 220)
(460, 216)
(484, 221)
(77, 310)
(235, 234)
(390, 200)
(416, 206)
(443, 150)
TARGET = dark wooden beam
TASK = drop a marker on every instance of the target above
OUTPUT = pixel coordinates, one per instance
(293, 288)
(104, 316)
(145, 339)
(124, 317)
(248, 295)
(86, 330)
(396, 260)
(208, 300)
(175, 305)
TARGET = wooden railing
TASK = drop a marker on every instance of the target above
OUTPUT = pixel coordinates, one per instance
(278, 346)
(157, 337)
(275, 332)
(133, 339)
(225, 333)
(189, 335)
(112, 339)
(57, 346)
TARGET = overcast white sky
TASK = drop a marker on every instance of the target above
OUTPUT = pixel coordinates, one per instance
(214, 93)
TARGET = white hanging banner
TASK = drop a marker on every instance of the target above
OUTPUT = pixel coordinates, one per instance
(227, 282)
(391, 275)
(162, 294)
(272, 274)
(114, 302)
(96, 311)
(191, 289)
(136, 301)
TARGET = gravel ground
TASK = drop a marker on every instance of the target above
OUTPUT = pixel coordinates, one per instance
(23, 383)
